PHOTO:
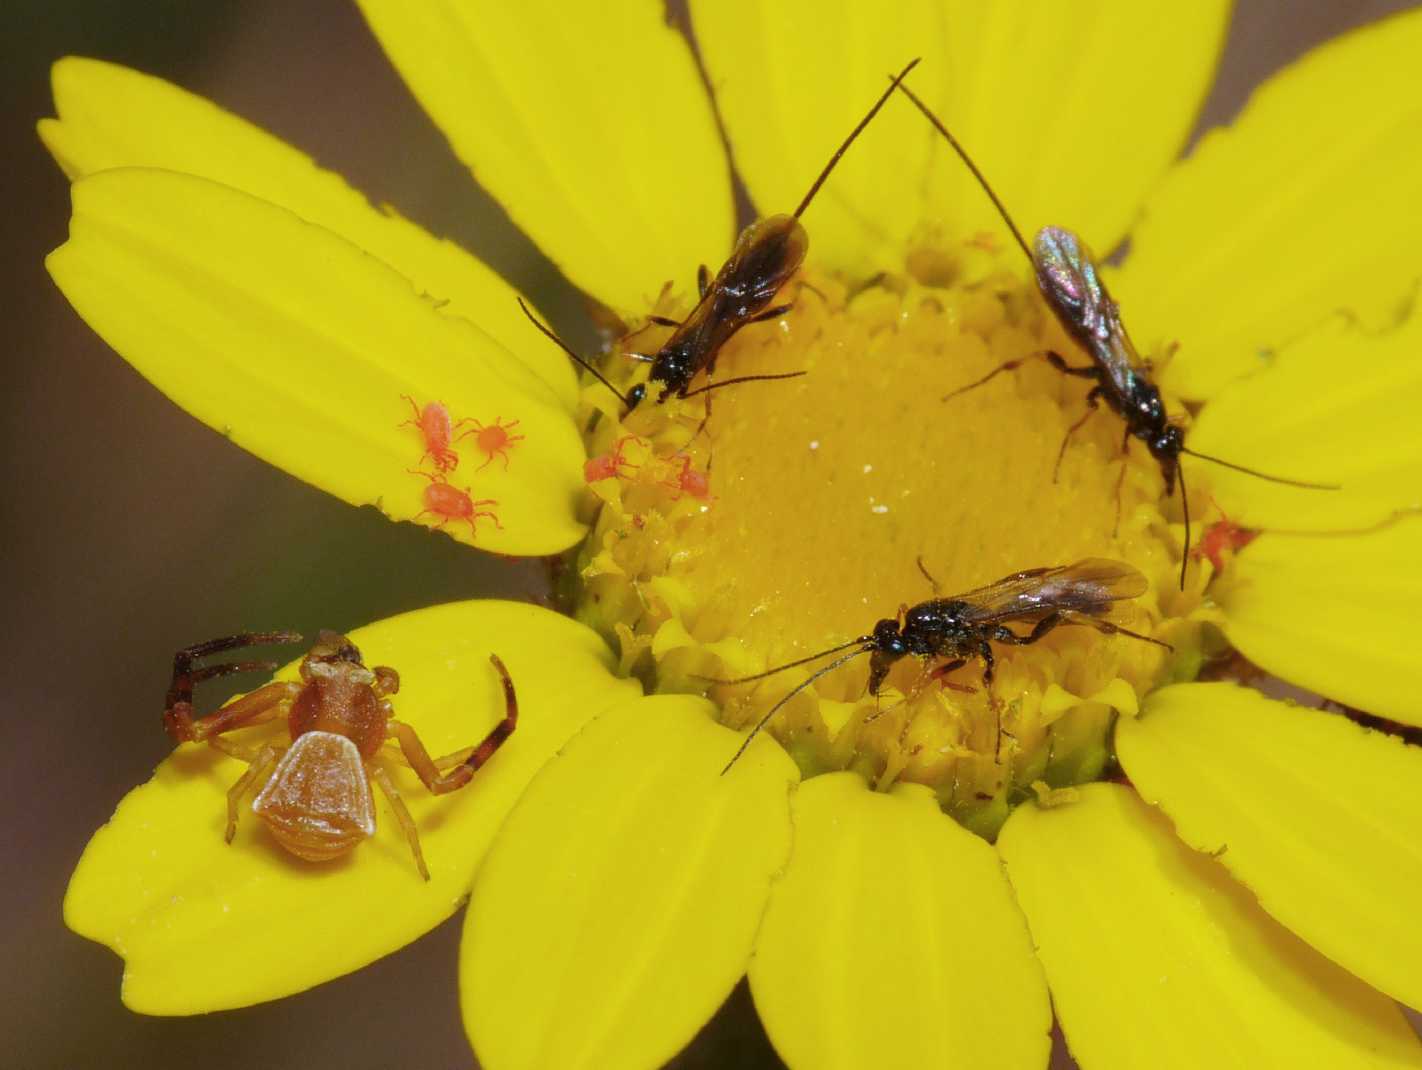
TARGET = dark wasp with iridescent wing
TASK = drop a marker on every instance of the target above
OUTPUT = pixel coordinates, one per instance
(965, 626)
(314, 796)
(767, 254)
(1069, 280)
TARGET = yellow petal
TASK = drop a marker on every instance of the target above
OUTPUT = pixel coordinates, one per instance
(1336, 614)
(1304, 206)
(588, 123)
(1316, 815)
(204, 926)
(618, 906)
(110, 116)
(1155, 956)
(1339, 406)
(300, 348)
(867, 956)
(1072, 111)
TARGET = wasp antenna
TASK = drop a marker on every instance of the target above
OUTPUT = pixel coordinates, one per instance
(805, 201)
(565, 348)
(741, 379)
(1185, 505)
(862, 641)
(1262, 475)
(982, 181)
(836, 663)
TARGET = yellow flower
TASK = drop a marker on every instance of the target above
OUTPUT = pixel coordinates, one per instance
(1248, 896)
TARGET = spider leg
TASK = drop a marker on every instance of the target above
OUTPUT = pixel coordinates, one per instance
(259, 706)
(402, 815)
(178, 704)
(255, 776)
(424, 766)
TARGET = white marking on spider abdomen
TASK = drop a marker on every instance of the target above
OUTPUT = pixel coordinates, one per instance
(317, 802)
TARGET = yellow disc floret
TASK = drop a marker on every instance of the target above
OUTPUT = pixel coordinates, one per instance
(788, 517)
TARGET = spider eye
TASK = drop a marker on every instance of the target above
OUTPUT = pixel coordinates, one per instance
(332, 646)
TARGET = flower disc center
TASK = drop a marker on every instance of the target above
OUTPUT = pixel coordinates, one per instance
(831, 500)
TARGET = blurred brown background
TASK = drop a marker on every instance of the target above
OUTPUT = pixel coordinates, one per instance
(130, 530)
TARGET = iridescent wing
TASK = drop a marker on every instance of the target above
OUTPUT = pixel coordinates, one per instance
(1088, 586)
(1069, 280)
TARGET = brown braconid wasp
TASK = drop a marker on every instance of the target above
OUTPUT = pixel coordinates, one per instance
(965, 626)
(765, 257)
(1067, 276)
(315, 795)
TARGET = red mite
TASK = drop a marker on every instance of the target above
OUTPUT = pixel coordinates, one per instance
(436, 428)
(493, 440)
(1224, 534)
(314, 795)
(450, 503)
(610, 465)
(688, 480)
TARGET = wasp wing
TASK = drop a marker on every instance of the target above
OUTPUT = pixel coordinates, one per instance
(1088, 586)
(1071, 283)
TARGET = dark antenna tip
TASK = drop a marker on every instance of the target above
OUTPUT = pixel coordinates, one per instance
(1262, 475)
(836, 663)
(1185, 506)
(805, 201)
(968, 160)
(548, 332)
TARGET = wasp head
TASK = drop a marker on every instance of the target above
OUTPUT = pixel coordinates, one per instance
(1165, 447)
(889, 645)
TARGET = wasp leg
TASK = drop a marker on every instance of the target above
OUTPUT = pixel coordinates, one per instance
(926, 574)
(1086, 371)
(1069, 616)
(989, 663)
(944, 669)
(662, 321)
(1091, 400)
(1121, 478)
(1052, 357)
(771, 314)
(703, 280)
(1004, 634)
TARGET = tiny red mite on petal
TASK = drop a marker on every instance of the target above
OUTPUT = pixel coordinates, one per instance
(493, 440)
(435, 427)
(448, 503)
